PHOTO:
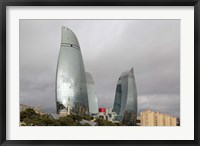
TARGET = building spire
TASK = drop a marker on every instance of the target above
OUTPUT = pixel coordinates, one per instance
(68, 106)
(131, 71)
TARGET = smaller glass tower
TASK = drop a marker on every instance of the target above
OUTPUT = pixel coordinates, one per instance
(125, 104)
(92, 97)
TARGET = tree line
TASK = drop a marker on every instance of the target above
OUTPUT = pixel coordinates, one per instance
(29, 117)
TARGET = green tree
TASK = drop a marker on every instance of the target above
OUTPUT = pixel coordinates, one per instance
(66, 121)
(28, 113)
(87, 117)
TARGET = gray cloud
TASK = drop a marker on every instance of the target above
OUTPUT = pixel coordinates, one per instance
(108, 47)
(164, 103)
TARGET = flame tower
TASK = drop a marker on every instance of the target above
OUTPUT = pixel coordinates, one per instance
(92, 97)
(125, 104)
(70, 76)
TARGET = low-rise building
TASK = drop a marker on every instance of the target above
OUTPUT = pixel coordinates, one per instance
(91, 123)
(151, 118)
(54, 116)
(107, 115)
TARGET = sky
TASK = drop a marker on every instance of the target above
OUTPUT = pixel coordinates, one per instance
(109, 47)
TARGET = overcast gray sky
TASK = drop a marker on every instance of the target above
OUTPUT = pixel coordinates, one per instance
(109, 47)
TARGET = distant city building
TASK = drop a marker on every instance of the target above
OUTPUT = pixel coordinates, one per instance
(125, 104)
(70, 76)
(92, 97)
(36, 109)
(107, 115)
(151, 118)
(102, 114)
(63, 112)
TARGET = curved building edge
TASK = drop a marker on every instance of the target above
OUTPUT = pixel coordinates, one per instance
(71, 89)
(92, 97)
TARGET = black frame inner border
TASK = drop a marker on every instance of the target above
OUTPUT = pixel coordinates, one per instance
(5, 3)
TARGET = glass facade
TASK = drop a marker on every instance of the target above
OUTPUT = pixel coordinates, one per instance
(70, 76)
(92, 97)
(125, 104)
(118, 97)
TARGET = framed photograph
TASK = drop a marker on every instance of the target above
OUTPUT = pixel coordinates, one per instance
(99, 72)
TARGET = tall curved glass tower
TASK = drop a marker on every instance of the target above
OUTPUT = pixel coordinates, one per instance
(92, 97)
(70, 77)
(125, 104)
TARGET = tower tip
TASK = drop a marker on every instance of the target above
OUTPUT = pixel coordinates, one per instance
(131, 71)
